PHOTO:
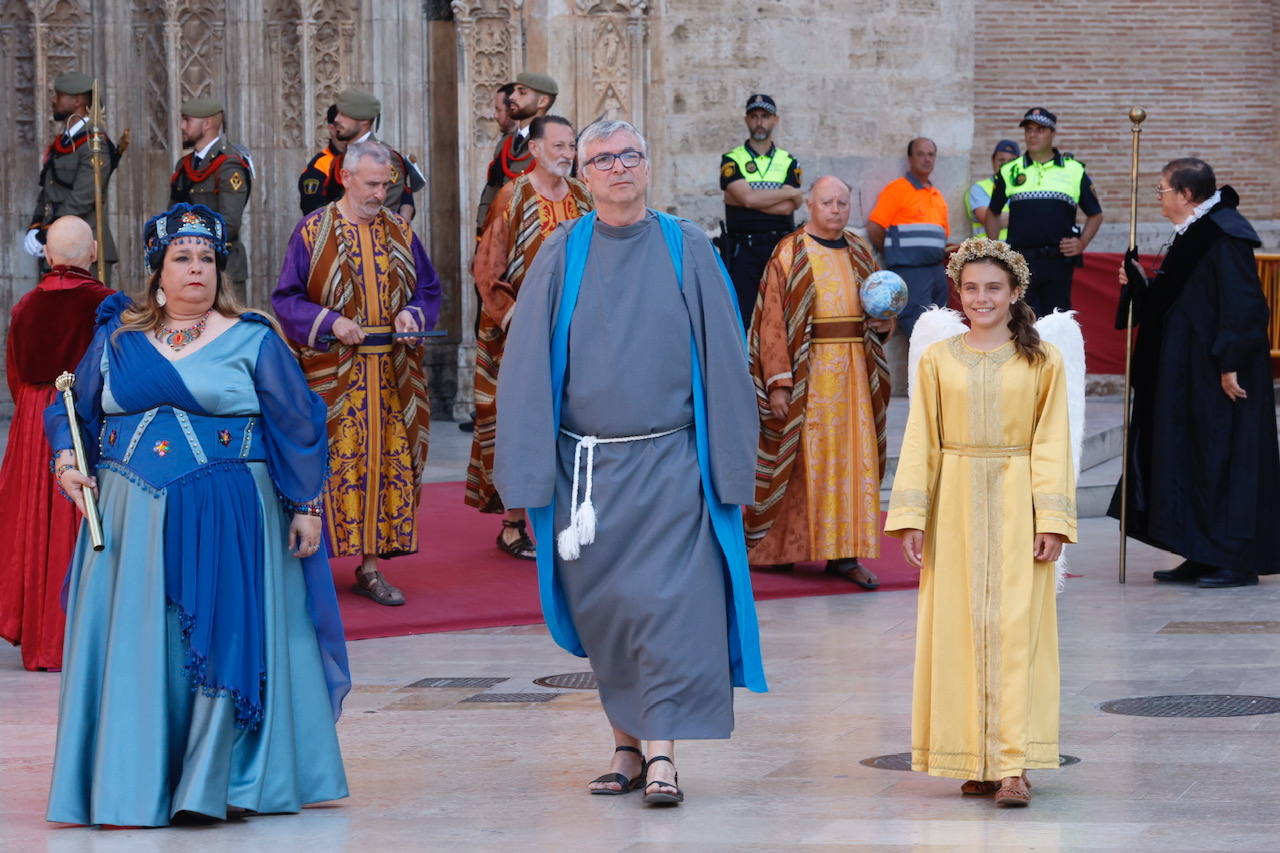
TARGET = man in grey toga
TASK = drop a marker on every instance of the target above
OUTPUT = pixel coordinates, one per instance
(627, 427)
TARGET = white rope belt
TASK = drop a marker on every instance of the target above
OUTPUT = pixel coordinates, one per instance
(581, 529)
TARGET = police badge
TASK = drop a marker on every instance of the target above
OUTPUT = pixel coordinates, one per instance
(1020, 179)
(751, 166)
(311, 186)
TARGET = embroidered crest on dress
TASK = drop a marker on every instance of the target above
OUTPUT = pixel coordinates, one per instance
(112, 436)
(224, 437)
(161, 448)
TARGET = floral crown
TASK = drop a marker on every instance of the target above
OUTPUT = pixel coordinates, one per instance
(982, 248)
(183, 220)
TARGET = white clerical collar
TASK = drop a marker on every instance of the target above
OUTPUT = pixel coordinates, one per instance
(200, 155)
(74, 127)
(1200, 210)
(366, 136)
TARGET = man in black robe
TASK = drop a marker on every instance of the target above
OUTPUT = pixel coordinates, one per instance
(1204, 468)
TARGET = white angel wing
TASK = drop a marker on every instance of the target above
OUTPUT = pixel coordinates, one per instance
(1061, 329)
(935, 324)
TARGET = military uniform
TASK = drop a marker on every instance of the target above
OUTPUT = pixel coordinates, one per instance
(321, 180)
(511, 156)
(66, 174)
(220, 180)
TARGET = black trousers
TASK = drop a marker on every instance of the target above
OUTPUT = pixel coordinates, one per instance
(1050, 282)
(746, 256)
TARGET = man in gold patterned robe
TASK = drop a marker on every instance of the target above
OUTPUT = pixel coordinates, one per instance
(822, 385)
(354, 274)
(523, 214)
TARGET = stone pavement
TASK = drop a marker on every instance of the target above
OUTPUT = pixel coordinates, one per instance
(454, 768)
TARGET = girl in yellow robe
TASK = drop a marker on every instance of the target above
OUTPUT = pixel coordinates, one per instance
(983, 500)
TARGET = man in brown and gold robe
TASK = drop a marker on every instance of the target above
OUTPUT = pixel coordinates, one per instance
(822, 385)
(354, 274)
(524, 213)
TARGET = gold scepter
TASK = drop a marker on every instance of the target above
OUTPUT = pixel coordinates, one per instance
(1137, 115)
(64, 384)
(97, 159)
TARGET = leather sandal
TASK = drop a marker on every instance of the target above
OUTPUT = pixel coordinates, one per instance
(522, 548)
(625, 785)
(374, 586)
(669, 793)
(977, 788)
(848, 569)
(1014, 791)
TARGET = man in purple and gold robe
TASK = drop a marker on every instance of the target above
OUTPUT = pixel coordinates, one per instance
(353, 274)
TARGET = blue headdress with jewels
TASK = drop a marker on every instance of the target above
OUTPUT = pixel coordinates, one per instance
(184, 220)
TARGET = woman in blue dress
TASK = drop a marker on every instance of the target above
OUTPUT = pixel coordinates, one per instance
(205, 664)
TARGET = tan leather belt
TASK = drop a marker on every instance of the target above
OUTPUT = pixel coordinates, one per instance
(838, 330)
(989, 451)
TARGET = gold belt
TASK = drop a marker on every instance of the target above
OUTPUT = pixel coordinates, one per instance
(375, 349)
(838, 330)
(988, 451)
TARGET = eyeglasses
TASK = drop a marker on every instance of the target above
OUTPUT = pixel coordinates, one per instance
(604, 162)
(1162, 190)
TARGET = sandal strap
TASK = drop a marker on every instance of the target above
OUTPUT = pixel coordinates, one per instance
(662, 758)
(615, 778)
(515, 525)
(628, 749)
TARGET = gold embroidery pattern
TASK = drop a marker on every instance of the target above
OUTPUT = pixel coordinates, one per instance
(1057, 504)
(909, 499)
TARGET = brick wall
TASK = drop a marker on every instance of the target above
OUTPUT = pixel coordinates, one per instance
(1207, 74)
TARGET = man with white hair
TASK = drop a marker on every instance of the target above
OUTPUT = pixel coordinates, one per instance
(354, 274)
(525, 213)
(49, 330)
(627, 428)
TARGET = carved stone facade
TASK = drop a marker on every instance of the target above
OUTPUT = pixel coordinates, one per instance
(854, 80)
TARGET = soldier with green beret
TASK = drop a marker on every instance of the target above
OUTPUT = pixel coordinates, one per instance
(217, 174)
(351, 119)
(533, 94)
(66, 175)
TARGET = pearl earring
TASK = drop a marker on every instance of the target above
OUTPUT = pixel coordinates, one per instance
(160, 297)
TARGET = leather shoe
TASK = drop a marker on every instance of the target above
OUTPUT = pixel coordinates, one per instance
(1187, 572)
(1224, 578)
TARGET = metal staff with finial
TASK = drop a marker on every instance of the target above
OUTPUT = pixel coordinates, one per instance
(64, 383)
(98, 160)
(1137, 115)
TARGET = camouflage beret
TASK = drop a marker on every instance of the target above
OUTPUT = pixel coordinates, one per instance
(201, 108)
(73, 83)
(359, 105)
(538, 82)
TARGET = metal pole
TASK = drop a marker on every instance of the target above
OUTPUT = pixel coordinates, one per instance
(1137, 115)
(64, 384)
(97, 159)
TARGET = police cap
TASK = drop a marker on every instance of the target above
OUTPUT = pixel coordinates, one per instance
(538, 82)
(201, 108)
(762, 102)
(73, 83)
(1007, 146)
(359, 105)
(1039, 115)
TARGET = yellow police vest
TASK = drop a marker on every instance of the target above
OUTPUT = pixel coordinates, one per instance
(761, 171)
(980, 228)
(1053, 180)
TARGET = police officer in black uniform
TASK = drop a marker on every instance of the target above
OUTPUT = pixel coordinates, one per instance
(1044, 188)
(761, 185)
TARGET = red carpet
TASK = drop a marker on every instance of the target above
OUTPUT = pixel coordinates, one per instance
(461, 580)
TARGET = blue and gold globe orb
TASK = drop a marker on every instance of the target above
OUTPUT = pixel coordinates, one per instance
(884, 295)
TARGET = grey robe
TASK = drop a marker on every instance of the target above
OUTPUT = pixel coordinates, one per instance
(648, 597)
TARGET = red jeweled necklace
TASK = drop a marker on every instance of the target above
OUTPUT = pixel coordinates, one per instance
(176, 339)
